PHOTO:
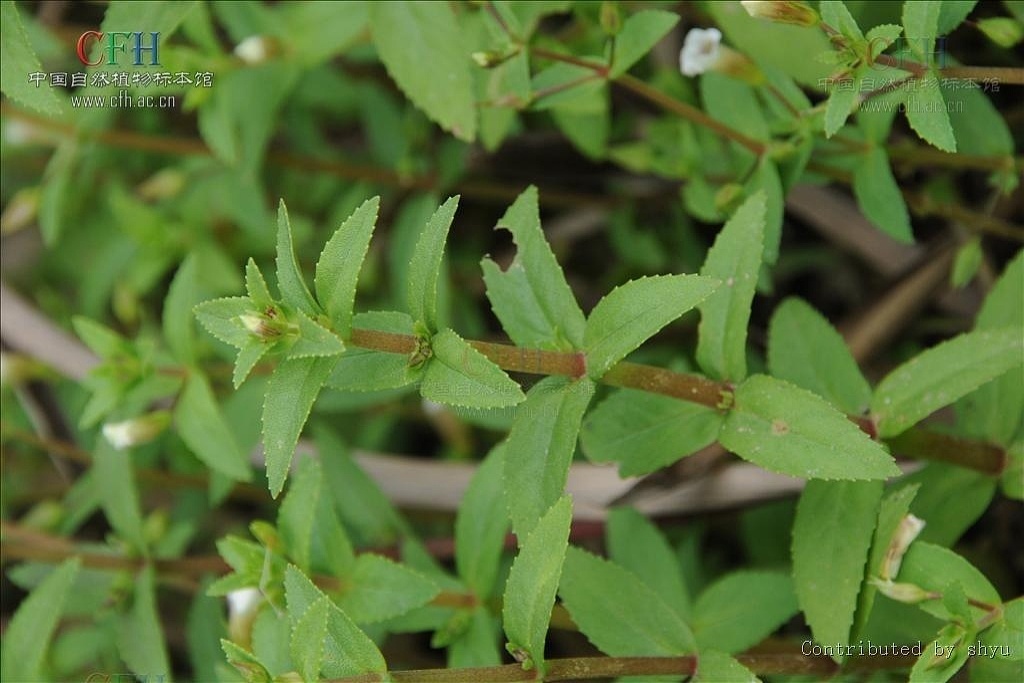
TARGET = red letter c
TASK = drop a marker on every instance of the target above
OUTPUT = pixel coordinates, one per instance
(81, 47)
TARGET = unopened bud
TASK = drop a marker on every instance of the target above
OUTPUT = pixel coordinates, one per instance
(136, 431)
(256, 49)
(243, 605)
(611, 18)
(703, 51)
(782, 11)
(260, 326)
(902, 592)
(908, 529)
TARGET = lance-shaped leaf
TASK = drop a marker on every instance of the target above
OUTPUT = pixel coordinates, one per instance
(480, 534)
(531, 297)
(347, 651)
(718, 667)
(927, 111)
(803, 348)
(294, 291)
(741, 609)
(182, 296)
(786, 429)
(640, 32)
(337, 271)
(734, 260)
(426, 53)
(309, 633)
(140, 638)
(921, 26)
(425, 267)
(20, 60)
(637, 545)
(27, 635)
(378, 589)
(943, 374)
(540, 447)
(457, 374)
(201, 425)
(309, 527)
(618, 612)
(222, 319)
(632, 313)
(291, 391)
(832, 533)
(532, 583)
(115, 476)
(879, 196)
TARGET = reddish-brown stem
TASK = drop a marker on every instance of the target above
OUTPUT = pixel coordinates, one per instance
(596, 67)
(974, 455)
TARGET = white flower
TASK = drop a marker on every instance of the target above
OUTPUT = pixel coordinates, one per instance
(700, 51)
(254, 50)
(243, 601)
(136, 431)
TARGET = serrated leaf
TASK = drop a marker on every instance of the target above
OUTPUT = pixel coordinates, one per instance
(835, 13)
(879, 196)
(247, 358)
(718, 667)
(840, 104)
(425, 53)
(19, 60)
(378, 588)
(644, 432)
(307, 639)
(540, 447)
(337, 271)
(640, 32)
(617, 612)
(308, 526)
(767, 180)
(425, 266)
(734, 260)
(741, 609)
(934, 568)
(256, 286)
(291, 391)
(368, 370)
(182, 296)
(786, 429)
(314, 340)
(921, 26)
(458, 374)
(942, 374)
(27, 635)
(115, 476)
(140, 638)
(882, 36)
(201, 425)
(247, 664)
(803, 348)
(480, 534)
(952, 13)
(631, 313)
(532, 583)
(635, 544)
(832, 533)
(294, 291)
(927, 111)
(220, 317)
(531, 298)
(347, 650)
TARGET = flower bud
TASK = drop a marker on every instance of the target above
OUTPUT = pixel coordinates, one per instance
(908, 529)
(902, 592)
(611, 18)
(136, 431)
(782, 11)
(260, 326)
(256, 49)
(703, 51)
(20, 211)
(243, 606)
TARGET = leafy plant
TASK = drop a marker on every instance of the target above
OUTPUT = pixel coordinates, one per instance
(701, 365)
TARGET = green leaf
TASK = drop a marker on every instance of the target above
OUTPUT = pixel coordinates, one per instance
(19, 60)
(477, 645)
(102, 340)
(952, 13)
(425, 267)
(337, 271)
(617, 612)
(741, 609)
(201, 425)
(786, 429)
(531, 297)
(294, 291)
(347, 650)
(540, 447)
(644, 432)
(115, 476)
(631, 313)
(803, 348)
(27, 635)
(458, 374)
(220, 317)
(480, 534)
(734, 260)
(835, 14)
(718, 667)
(247, 664)
(921, 26)
(640, 32)
(368, 370)
(256, 286)
(943, 657)
(314, 340)
(951, 498)
(832, 533)
(879, 196)
(247, 358)
(927, 111)
(141, 638)
(425, 53)
(291, 391)
(935, 568)
(636, 544)
(307, 642)
(532, 583)
(942, 374)
(840, 103)
(182, 296)
(967, 262)
(378, 589)
(304, 517)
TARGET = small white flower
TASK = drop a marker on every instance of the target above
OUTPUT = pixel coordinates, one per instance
(136, 431)
(253, 50)
(243, 601)
(700, 51)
